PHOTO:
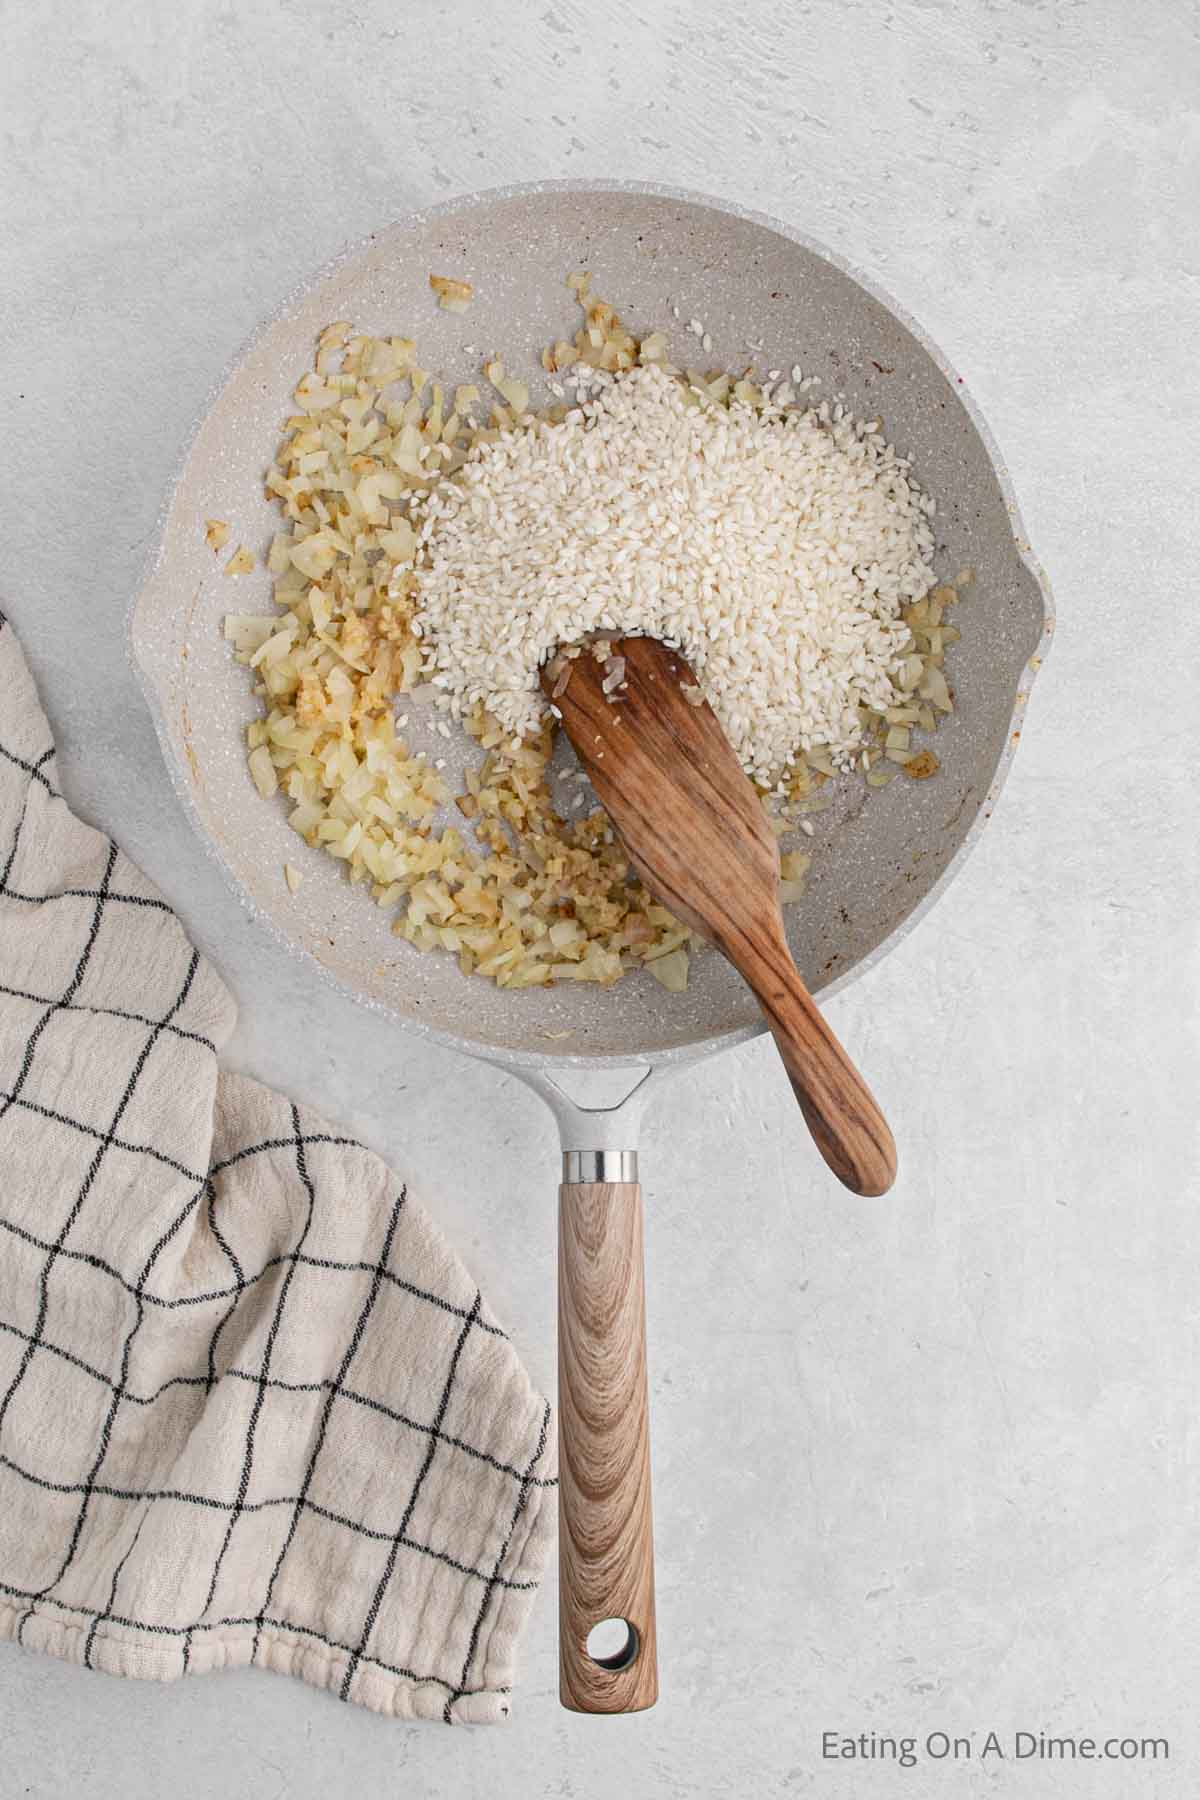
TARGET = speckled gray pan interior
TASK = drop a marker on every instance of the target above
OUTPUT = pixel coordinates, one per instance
(767, 295)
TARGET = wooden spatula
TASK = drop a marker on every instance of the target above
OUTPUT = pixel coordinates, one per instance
(699, 838)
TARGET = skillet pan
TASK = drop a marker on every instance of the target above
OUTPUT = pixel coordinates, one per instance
(767, 295)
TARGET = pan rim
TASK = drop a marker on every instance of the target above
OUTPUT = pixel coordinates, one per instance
(674, 1056)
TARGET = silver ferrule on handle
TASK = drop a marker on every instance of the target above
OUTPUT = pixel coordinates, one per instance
(599, 1166)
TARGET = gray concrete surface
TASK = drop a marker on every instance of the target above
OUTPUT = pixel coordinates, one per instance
(929, 1464)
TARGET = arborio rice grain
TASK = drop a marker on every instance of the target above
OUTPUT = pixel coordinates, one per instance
(777, 550)
(419, 540)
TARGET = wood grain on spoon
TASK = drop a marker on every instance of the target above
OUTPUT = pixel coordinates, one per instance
(698, 835)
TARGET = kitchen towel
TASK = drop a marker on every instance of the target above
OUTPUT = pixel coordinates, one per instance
(252, 1408)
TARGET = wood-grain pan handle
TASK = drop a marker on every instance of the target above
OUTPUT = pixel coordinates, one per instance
(606, 1542)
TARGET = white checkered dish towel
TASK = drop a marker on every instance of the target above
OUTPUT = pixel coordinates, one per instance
(252, 1408)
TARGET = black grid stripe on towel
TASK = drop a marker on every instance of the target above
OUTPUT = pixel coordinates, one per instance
(252, 1409)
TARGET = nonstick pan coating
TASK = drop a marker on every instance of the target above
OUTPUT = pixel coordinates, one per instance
(766, 295)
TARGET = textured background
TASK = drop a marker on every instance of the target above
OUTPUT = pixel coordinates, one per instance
(924, 1464)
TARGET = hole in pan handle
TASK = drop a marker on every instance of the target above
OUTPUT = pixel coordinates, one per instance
(613, 1644)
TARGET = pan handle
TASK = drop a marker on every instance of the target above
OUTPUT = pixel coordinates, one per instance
(605, 1525)
(605, 1529)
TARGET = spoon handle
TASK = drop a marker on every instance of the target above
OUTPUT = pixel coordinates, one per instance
(839, 1109)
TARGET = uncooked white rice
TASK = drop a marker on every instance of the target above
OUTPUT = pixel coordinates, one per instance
(775, 549)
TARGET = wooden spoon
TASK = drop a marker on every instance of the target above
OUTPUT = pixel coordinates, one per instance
(698, 835)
